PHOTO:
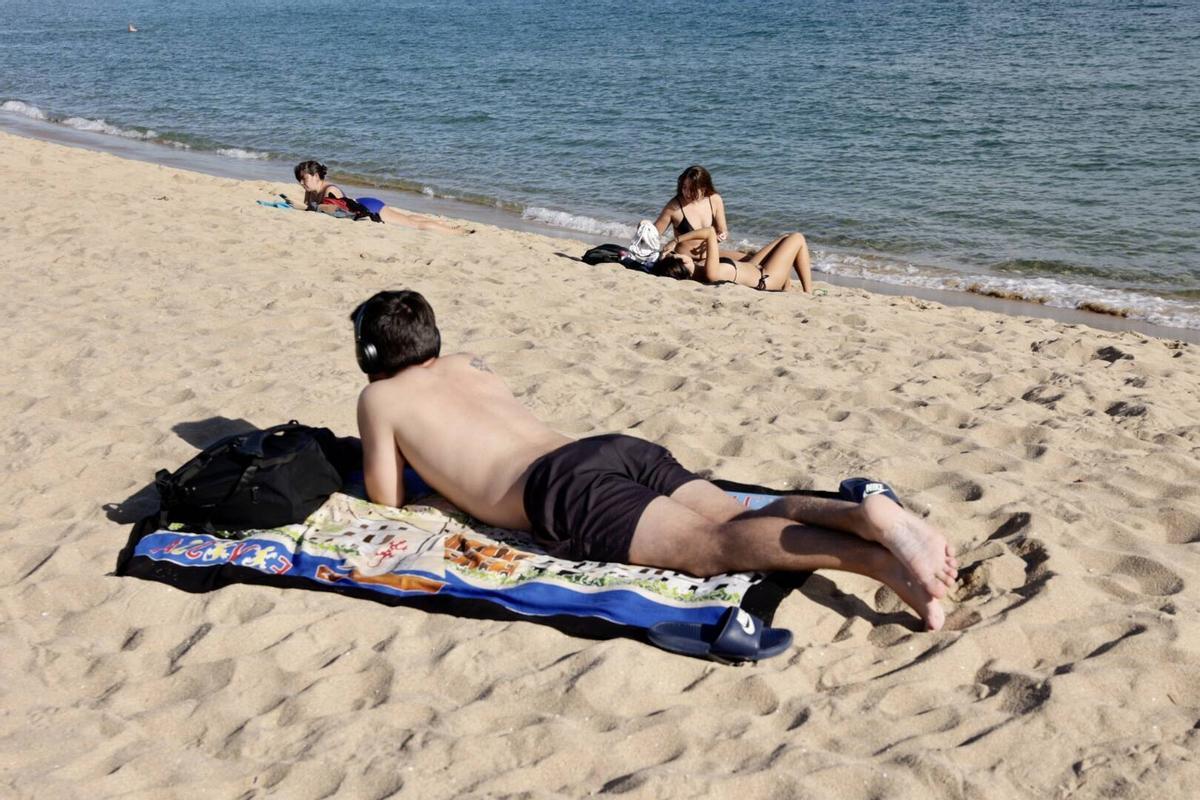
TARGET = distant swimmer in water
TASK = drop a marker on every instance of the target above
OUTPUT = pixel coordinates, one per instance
(321, 195)
(132, 28)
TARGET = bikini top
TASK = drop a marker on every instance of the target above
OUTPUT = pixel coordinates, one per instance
(325, 198)
(344, 205)
(685, 226)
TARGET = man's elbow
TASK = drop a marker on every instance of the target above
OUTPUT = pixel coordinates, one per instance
(384, 496)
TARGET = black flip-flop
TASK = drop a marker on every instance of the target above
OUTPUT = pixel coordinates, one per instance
(736, 637)
(858, 489)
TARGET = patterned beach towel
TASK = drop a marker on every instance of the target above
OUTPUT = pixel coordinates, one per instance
(432, 555)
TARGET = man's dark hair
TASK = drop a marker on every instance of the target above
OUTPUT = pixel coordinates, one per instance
(401, 326)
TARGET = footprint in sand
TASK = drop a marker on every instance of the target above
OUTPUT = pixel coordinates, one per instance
(968, 491)
(1034, 451)
(1017, 523)
(656, 350)
(990, 570)
(1114, 638)
(1017, 694)
(1044, 395)
(1124, 409)
(1182, 527)
(1111, 354)
(1116, 573)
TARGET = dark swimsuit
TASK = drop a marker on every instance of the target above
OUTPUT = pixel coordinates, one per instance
(686, 227)
(761, 286)
(586, 497)
(345, 204)
(327, 199)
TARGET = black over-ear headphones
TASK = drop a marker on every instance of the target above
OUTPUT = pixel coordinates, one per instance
(364, 350)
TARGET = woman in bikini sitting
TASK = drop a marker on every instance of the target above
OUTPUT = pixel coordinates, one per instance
(321, 195)
(695, 198)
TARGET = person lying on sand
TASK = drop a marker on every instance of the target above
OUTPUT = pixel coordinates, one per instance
(697, 199)
(604, 498)
(768, 270)
(321, 195)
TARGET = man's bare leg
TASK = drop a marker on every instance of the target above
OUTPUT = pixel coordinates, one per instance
(916, 544)
(708, 500)
(922, 549)
(672, 536)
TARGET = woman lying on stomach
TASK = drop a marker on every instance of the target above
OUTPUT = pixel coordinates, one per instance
(767, 270)
(321, 195)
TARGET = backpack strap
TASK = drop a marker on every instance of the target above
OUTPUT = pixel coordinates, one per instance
(247, 475)
(166, 493)
(252, 443)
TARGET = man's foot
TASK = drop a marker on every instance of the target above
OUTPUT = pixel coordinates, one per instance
(899, 579)
(919, 547)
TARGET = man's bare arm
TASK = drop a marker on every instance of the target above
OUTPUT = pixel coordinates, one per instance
(383, 465)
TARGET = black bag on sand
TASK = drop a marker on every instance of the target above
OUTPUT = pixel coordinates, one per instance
(615, 254)
(605, 254)
(261, 479)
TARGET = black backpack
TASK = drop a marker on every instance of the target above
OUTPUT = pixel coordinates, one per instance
(605, 254)
(615, 254)
(261, 479)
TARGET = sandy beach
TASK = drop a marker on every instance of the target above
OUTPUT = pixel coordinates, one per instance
(150, 308)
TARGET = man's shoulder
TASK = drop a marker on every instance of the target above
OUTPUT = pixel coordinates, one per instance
(373, 394)
(422, 374)
(460, 361)
(386, 389)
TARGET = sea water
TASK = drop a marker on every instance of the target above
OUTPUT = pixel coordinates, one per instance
(1025, 148)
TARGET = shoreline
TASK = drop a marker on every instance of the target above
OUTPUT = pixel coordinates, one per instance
(269, 169)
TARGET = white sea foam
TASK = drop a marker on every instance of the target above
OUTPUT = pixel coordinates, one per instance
(1047, 291)
(237, 152)
(100, 126)
(86, 124)
(427, 191)
(561, 219)
(24, 109)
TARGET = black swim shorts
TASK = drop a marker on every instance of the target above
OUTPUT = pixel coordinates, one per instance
(587, 496)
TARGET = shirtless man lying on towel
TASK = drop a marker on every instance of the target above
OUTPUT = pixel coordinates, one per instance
(604, 498)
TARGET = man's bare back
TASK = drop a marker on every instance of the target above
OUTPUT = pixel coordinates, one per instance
(461, 429)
